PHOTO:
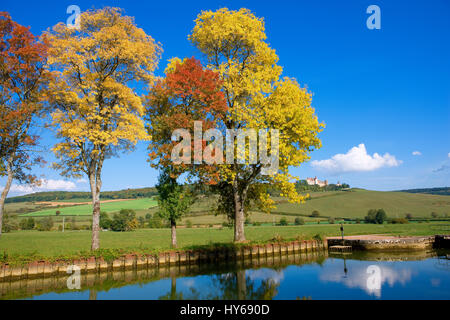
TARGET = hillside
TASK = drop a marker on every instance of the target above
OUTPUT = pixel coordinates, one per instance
(357, 202)
(438, 191)
(83, 196)
(353, 203)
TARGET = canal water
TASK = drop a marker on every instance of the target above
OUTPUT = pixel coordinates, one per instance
(417, 275)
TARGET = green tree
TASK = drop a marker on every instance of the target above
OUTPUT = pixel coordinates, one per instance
(124, 221)
(315, 214)
(381, 216)
(105, 221)
(371, 216)
(173, 201)
(299, 221)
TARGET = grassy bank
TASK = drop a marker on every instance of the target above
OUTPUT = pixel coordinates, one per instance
(49, 245)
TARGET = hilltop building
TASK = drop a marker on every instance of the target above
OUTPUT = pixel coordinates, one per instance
(315, 181)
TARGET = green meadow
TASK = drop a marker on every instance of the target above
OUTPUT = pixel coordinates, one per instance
(86, 209)
(52, 244)
(356, 203)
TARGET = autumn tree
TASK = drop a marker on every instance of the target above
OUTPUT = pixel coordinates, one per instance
(100, 66)
(22, 82)
(258, 98)
(187, 95)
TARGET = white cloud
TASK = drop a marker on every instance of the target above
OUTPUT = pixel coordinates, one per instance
(46, 185)
(359, 277)
(417, 153)
(356, 160)
(448, 154)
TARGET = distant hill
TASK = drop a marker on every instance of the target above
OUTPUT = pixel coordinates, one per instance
(444, 191)
(69, 195)
(356, 202)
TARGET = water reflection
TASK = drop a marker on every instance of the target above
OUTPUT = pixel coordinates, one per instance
(359, 276)
(315, 276)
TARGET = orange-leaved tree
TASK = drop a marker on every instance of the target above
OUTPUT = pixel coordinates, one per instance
(99, 68)
(23, 79)
(189, 95)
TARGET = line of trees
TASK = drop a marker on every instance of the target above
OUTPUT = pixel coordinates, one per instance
(88, 79)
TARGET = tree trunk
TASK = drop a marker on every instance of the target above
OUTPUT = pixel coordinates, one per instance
(5, 191)
(95, 183)
(92, 294)
(241, 285)
(239, 217)
(173, 288)
(173, 226)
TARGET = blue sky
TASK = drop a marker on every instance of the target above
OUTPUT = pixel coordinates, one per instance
(381, 91)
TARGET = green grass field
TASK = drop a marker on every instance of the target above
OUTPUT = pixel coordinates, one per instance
(51, 244)
(355, 204)
(86, 209)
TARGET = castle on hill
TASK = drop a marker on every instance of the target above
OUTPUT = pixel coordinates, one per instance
(320, 183)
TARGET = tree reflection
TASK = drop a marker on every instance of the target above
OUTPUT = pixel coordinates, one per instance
(229, 286)
(172, 294)
(236, 286)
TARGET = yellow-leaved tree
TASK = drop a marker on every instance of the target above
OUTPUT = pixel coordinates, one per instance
(99, 67)
(258, 98)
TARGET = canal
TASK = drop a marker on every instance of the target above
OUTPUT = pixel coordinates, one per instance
(358, 275)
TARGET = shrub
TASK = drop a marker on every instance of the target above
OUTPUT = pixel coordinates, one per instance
(256, 223)
(315, 214)
(318, 237)
(331, 220)
(299, 221)
(45, 224)
(408, 216)
(188, 223)
(155, 222)
(105, 221)
(357, 221)
(399, 221)
(247, 221)
(9, 224)
(434, 215)
(141, 221)
(124, 221)
(283, 222)
(58, 212)
(27, 224)
(227, 224)
(133, 224)
(376, 216)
